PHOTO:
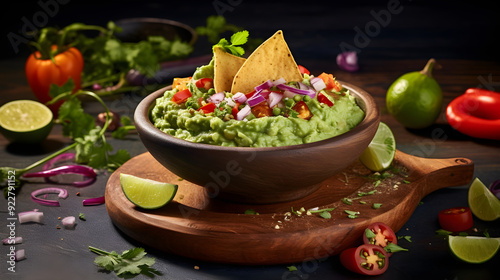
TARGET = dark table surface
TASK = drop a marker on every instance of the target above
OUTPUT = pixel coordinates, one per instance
(459, 36)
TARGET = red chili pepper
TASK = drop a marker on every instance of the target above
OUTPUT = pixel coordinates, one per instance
(476, 113)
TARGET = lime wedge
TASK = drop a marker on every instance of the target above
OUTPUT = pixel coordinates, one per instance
(473, 249)
(25, 121)
(483, 204)
(380, 152)
(146, 193)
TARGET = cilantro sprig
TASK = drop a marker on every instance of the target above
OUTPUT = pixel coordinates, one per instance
(235, 47)
(131, 262)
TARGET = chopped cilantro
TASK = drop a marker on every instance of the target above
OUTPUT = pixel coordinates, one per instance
(130, 262)
(251, 212)
(406, 237)
(292, 268)
(443, 232)
(393, 248)
(237, 39)
(367, 193)
(81, 216)
(323, 213)
(376, 205)
(351, 214)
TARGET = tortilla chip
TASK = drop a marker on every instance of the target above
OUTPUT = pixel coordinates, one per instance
(271, 60)
(226, 67)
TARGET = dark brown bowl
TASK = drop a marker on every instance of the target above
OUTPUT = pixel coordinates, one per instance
(139, 29)
(258, 175)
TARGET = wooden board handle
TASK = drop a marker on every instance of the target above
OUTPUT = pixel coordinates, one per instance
(441, 172)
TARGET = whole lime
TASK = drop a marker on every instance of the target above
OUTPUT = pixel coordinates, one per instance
(415, 99)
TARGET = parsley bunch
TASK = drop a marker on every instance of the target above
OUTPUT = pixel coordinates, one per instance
(131, 262)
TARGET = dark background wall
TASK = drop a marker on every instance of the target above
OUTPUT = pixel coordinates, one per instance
(385, 29)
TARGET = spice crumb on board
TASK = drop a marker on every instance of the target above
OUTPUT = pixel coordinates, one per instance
(196, 267)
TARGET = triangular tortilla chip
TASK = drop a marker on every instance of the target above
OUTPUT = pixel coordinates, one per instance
(226, 66)
(271, 60)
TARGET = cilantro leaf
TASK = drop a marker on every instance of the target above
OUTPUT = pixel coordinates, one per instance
(393, 248)
(55, 90)
(132, 262)
(237, 39)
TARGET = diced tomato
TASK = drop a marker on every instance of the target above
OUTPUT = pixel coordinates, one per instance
(206, 83)
(262, 110)
(181, 96)
(208, 108)
(323, 99)
(456, 219)
(250, 94)
(181, 83)
(301, 108)
(366, 259)
(383, 235)
(235, 109)
(303, 70)
(330, 82)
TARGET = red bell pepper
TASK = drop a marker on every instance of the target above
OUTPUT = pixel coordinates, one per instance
(208, 108)
(476, 113)
(303, 70)
(181, 96)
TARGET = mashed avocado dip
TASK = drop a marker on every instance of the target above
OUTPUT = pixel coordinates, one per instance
(220, 127)
(266, 100)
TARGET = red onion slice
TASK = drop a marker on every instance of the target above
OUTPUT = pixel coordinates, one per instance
(318, 83)
(274, 98)
(255, 99)
(309, 92)
(30, 216)
(495, 188)
(20, 255)
(348, 61)
(86, 171)
(12, 240)
(243, 113)
(279, 81)
(62, 193)
(216, 98)
(94, 201)
(240, 97)
(265, 85)
(69, 222)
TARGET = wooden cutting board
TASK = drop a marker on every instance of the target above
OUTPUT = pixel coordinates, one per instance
(195, 226)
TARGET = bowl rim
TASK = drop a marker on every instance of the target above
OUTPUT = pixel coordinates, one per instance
(141, 117)
(194, 34)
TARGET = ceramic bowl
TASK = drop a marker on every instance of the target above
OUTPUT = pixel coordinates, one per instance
(258, 175)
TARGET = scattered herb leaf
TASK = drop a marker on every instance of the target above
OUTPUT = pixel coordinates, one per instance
(443, 232)
(81, 216)
(367, 193)
(406, 237)
(486, 233)
(292, 268)
(323, 213)
(393, 248)
(251, 212)
(462, 233)
(369, 233)
(351, 214)
(131, 262)
(376, 205)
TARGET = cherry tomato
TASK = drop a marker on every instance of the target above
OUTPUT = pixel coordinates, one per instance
(301, 108)
(262, 110)
(383, 235)
(456, 219)
(208, 108)
(206, 83)
(41, 73)
(303, 70)
(323, 99)
(366, 259)
(181, 96)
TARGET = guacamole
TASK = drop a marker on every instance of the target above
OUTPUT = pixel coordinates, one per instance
(204, 116)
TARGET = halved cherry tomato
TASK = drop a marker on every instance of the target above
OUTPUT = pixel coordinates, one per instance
(366, 259)
(262, 110)
(383, 235)
(181, 96)
(181, 83)
(323, 99)
(303, 70)
(330, 82)
(206, 83)
(456, 219)
(208, 108)
(301, 108)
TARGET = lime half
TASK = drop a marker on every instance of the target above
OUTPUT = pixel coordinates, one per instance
(146, 193)
(483, 204)
(473, 249)
(25, 121)
(380, 152)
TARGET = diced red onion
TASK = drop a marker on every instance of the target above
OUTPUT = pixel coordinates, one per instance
(69, 222)
(12, 241)
(229, 101)
(255, 99)
(265, 85)
(495, 188)
(243, 113)
(62, 193)
(317, 83)
(274, 98)
(20, 255)
(288, 94)
(348, 61)
(94, 201)
(217, 98)
(86, 171)
(303, 86)
(265, 93)
(62, 157)
(240, 97)
(279, 81)
(309, 92)
(30, 216)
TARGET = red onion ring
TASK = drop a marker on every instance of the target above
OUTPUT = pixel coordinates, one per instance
(62, 193)
(94, 201)
(73, 169)
(51, 163)
(495, 188)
